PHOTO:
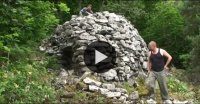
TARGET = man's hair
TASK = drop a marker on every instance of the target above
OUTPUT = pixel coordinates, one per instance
(89, 5)
(152, 43)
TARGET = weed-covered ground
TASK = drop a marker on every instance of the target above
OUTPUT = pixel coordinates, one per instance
(27, 79)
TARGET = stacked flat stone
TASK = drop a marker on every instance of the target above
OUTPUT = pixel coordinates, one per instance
(80, 31)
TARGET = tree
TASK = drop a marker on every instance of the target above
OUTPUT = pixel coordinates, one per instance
(24, 21)
(132, 10)
(192, 29)
(165, 26)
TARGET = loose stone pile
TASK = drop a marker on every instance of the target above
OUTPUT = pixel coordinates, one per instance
(111, 91)
(71, 39)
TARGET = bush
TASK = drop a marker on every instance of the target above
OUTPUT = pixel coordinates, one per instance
(177, 86)
(185, 59)
(195, 54)
(22, 82)
(165, 26)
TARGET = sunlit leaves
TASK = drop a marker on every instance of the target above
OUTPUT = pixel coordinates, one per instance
(63, 7)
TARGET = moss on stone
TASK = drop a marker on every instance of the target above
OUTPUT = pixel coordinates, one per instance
(70, 88)
(128, 87)
(141, 88)
(81, 86)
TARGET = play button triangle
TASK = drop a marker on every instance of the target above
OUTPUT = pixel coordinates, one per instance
(99, 56)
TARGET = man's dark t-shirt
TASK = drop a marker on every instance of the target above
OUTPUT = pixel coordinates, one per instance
(157, 61)
(85, 11)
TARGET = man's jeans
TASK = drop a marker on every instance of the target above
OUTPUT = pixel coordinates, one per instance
(161, 78)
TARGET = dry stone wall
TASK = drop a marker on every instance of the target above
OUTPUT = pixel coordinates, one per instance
(71, 39)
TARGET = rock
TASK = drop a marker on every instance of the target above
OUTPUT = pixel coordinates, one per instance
(134, 95)
(120, 36)
(101, 38)
(42, 48)
(142, 75)
(131, 82)
(63, 73)
(126, 59)
(127, 69)
(122, 98)
(122, 63)
(103, 91)
(90, 81)
(110, 75)
(151, 101)
(113, 94)
(108, 86)
(87, 73)
(60, 81)
(80, 31)
(182, 102)
(144, 65)
(62, 77)
(85, 69)
(132, 59)
(93, 88)
(101, 20)
(86, 36)
(120, 90)
(125, 95)
(67, 95)
(82, 48)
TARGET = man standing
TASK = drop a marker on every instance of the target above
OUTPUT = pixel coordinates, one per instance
(156, 67)
(86, 10)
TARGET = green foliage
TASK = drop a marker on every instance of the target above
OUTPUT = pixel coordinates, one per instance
(24, 20)
(22, 82)
(196, 53)
(86, 97)
(185, 59)
(52, 63)
(192, 17)
(63, 7)
(80, 95)
(132, 10)
(128, 87)
(177, 86)
(141, 88)
(23, 70)
(165, 26)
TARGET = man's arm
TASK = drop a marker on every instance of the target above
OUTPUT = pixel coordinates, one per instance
(149, 62)
(90, 11)
(169, 58)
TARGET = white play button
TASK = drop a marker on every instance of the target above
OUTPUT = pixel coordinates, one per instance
(99, 56)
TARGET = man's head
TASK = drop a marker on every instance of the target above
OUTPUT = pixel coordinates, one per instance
(152, 46)
(89, 6)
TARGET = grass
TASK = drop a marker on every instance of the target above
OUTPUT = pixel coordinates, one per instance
(182, 86)
(178, 89)
(128, 87)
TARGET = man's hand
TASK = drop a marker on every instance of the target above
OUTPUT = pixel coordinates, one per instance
(169, 58)
(165, 67)
(148, 72)
(149, 63)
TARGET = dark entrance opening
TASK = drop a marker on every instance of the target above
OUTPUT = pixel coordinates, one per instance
(66, 59)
